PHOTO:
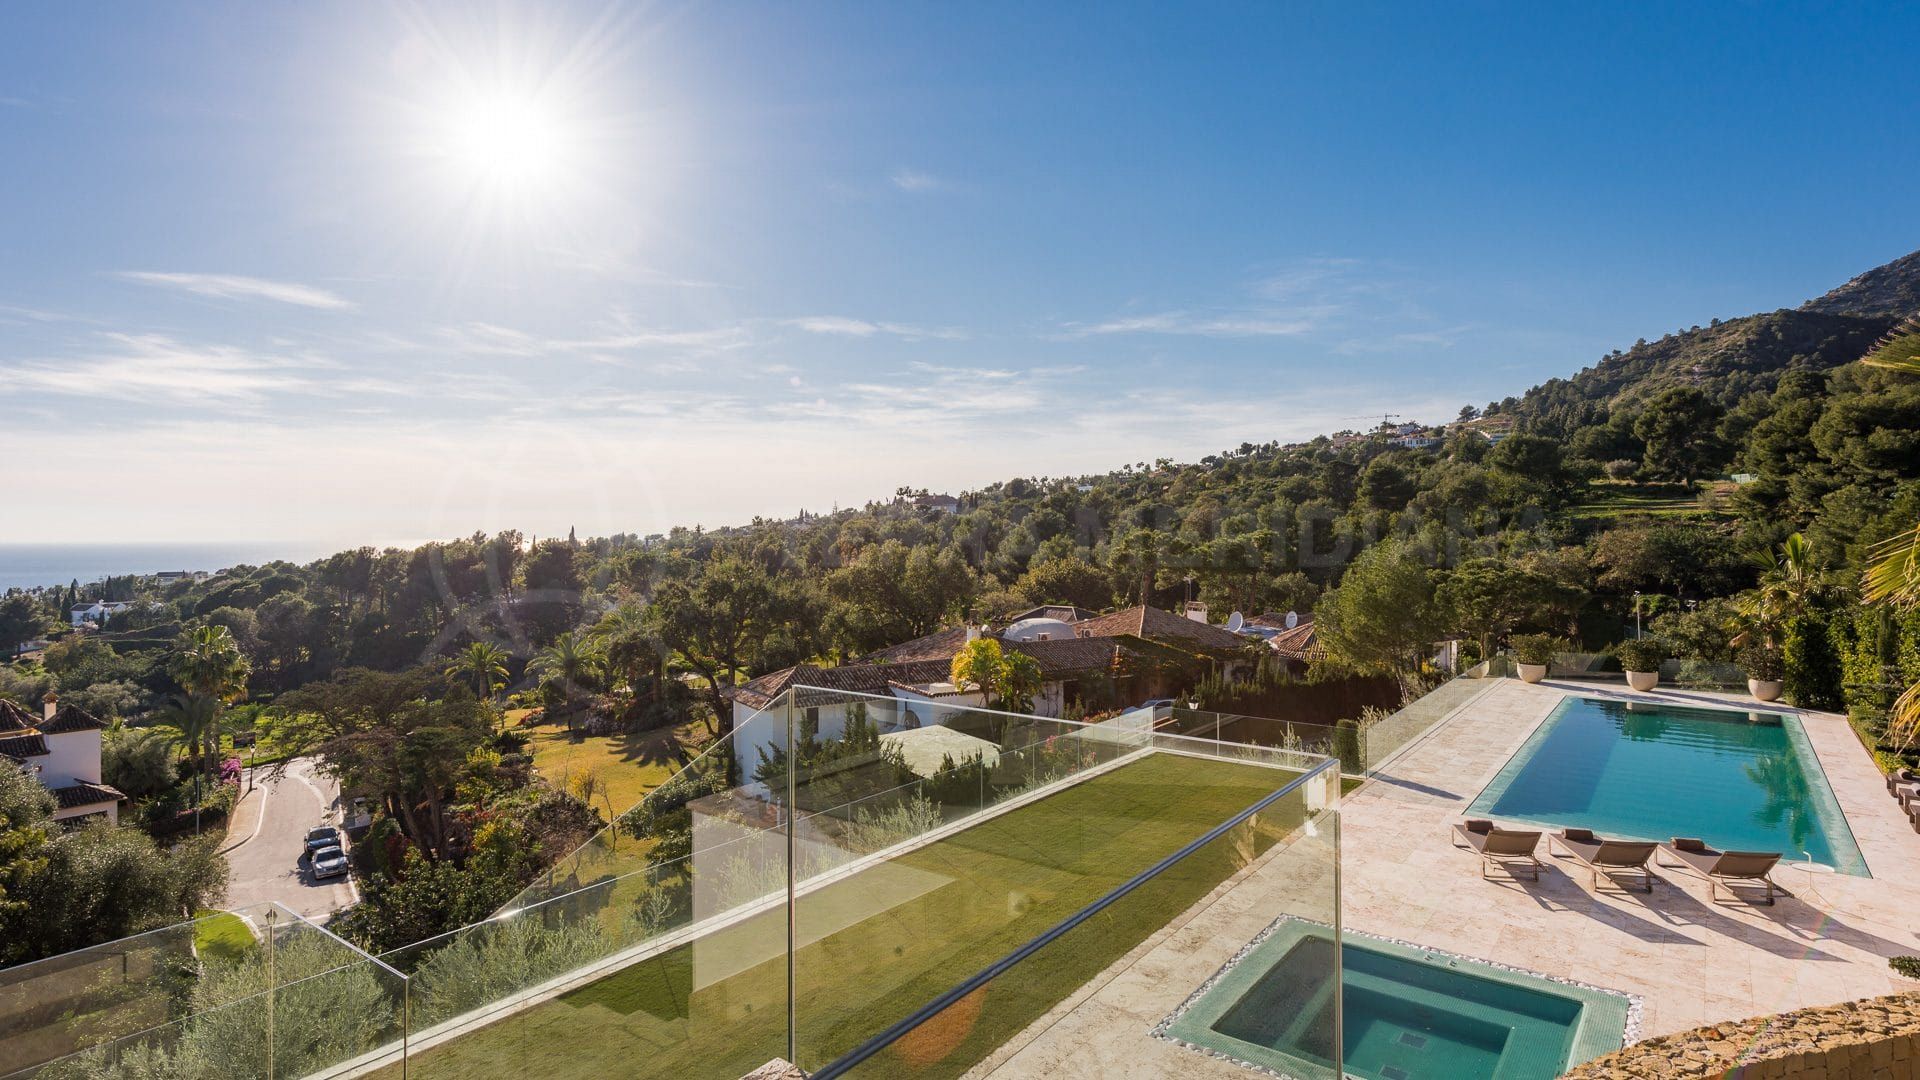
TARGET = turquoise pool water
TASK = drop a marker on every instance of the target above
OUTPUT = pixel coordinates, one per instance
(1739, 781)
(1409, 1014)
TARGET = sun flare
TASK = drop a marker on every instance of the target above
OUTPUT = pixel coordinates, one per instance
(506, 140)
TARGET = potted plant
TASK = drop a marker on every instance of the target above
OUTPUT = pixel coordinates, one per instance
(1641, 658)
(1766, 671)
(1535, 652)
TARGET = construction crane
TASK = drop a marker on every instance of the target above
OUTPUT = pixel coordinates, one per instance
(1385, 418)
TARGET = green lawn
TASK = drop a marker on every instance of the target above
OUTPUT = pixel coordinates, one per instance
(1611, 502)
(628, 765)
(221, 936)
(894, 936)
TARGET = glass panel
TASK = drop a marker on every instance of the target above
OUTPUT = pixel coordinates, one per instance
(275, 1002)
(1103, 983)
(1384, 738)
(661, 941)
(965, 833)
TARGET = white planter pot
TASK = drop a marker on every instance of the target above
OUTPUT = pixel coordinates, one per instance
(1643, 680)
(1532, 672)
(1765, 689)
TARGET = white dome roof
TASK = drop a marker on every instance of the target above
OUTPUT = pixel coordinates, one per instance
(1032, 629)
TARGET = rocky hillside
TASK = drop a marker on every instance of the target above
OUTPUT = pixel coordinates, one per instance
(1888, 292)
(1733, 358)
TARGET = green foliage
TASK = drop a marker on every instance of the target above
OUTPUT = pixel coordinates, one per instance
(423, 899)
(1677, 427)
(1813, 675)
(67, 889)
(138, 761)
(1538, 648)
(1641, 654)
(1763, 663)
(1906, 966)
(1382, 614)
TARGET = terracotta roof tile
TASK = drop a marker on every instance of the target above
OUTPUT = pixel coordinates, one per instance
(14, 717)
(23, 746)
(71, 718)
(85, 795)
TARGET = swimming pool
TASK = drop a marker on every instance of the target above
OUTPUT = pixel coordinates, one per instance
(1740, 781)
(1409, 1013)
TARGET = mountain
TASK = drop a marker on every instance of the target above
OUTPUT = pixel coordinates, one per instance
(1888, 292)
(1733, 358)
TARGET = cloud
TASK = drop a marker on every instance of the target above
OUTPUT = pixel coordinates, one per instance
(236, 287)
(1218, 326)
(915, 180)
(842, 326)
(154, 369)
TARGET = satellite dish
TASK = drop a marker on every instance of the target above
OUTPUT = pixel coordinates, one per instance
(1235, 621)
(1293, 619)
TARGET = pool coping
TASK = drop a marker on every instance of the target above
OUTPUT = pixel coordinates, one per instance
(1827, 810)
(1588, 1043)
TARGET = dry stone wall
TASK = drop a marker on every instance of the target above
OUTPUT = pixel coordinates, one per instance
(1872, 1039)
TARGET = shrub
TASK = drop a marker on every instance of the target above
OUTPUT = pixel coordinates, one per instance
(1812, 665)
(1908, 966)
(1641, 654)
(1762, 664)
(1537, 648)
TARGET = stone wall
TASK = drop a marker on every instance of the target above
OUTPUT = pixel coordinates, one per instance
(1872, 1039)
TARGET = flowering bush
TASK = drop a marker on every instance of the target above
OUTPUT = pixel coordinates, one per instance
(230, 771)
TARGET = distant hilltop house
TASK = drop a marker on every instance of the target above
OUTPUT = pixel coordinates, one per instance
(945, 504)
(1416, 441)
(173, 577)
(61, 748)
(96, 612)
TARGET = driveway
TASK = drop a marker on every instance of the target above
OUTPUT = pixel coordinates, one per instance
(268, 863)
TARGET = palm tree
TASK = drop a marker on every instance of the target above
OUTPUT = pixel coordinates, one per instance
(1790, 582)
(210, 668)
(1894, 576)
(198, 718)
(630, 648)
(483, 666)
(569, 661)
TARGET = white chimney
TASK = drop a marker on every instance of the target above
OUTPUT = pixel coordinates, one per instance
(973, 633)
(1196, 611)
(49, 704)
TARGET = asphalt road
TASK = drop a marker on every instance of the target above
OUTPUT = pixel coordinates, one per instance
(271, 863)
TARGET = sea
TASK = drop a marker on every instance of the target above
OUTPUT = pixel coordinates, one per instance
(24, 566)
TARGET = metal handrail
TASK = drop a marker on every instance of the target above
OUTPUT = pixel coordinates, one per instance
(938, 1005)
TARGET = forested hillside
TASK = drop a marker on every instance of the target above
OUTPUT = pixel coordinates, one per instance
(1666, 479)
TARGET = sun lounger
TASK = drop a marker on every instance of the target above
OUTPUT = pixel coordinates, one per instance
(1607, 857)
(1901, 776)
(1508, 848)
(1725, 867)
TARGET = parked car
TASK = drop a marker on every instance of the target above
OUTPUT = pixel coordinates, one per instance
(322, 836)
(329, 862)
(1157, 703)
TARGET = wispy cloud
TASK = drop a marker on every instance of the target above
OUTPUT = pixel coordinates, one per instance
(237, 287)
(915, 180)
(1187, 323)
(842, 326)
(154, 369)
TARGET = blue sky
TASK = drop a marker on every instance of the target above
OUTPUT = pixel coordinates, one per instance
(380, 273)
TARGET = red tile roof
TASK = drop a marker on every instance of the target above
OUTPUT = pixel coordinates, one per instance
(71, 718)
(1155, 624)
(85, 795)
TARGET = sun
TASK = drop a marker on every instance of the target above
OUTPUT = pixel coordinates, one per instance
(507, 141)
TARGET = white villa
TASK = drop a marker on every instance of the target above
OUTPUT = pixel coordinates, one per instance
(62, 750)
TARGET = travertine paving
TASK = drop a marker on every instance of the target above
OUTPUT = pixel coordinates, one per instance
(1690, 959)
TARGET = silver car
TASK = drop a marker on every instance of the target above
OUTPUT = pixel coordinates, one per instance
(329, 862)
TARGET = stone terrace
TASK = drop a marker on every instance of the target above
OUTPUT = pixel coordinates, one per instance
(1689, 959)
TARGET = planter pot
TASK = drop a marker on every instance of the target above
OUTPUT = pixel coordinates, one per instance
(1643, 680)
(1765, 689)
(1532, 672)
